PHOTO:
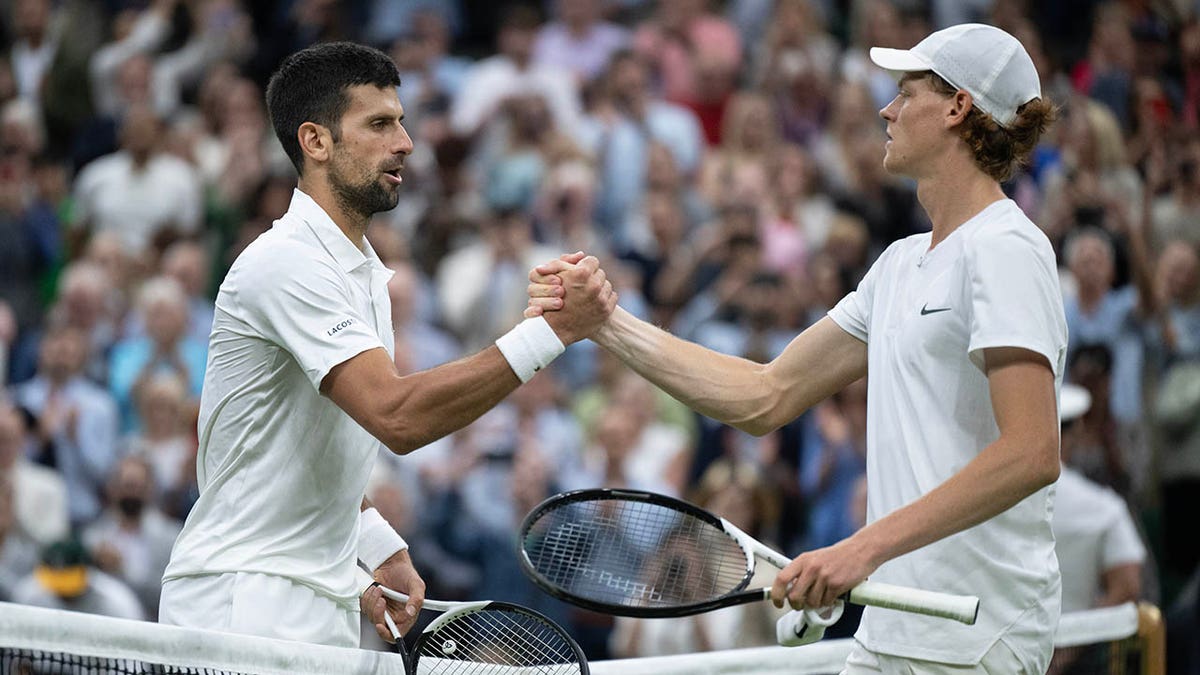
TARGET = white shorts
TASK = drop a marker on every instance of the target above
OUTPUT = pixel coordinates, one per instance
(257, 604)
(999, 660)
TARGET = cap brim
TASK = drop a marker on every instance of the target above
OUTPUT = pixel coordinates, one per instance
(1073, 402)
(62, 581)
(899, 61)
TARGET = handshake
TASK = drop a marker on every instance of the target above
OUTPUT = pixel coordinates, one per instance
(574, 295)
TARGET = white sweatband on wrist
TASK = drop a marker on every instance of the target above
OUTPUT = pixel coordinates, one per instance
(377, 541)
(362, 579)
(530, 346)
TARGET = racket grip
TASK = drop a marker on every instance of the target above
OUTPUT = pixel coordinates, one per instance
(962, 608)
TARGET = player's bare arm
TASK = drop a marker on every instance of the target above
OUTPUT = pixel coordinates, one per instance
(1021, 461)
(408, 412)
(754, 397)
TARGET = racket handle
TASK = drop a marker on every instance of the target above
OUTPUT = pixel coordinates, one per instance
(963, 608)
(392, 627)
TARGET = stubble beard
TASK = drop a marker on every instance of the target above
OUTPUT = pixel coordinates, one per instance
(364, 198)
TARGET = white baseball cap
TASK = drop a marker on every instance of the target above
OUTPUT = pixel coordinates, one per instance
(988, 63)
(1073, 402)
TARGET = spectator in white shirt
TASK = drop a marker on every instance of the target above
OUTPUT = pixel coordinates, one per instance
(39, 496)
(511, 72)
(138, 191)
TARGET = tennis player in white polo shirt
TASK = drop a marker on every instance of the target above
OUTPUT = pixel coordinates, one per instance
(301, 386)
(962, 333)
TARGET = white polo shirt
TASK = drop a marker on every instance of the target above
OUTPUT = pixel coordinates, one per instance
(282, 469)
(926, 319)
(1094, 532)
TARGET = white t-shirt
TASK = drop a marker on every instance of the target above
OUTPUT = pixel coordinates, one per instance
(926, 317)
(112, 194)
(282, 469)
(1093, 532)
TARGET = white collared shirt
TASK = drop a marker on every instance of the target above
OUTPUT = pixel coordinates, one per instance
(927, 316)
(281, 468)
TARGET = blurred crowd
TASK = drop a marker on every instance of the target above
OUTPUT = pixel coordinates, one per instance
(722, 159)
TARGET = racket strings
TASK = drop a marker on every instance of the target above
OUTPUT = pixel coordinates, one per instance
(634, 553)
(497, 641)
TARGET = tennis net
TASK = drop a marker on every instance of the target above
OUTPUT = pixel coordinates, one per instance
(1119, 640)
(1122, 640)
(36, 641)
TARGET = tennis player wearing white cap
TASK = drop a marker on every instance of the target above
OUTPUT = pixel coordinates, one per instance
(962, 333)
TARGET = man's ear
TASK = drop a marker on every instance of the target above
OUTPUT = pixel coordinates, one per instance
(316, 142)
(960, 105)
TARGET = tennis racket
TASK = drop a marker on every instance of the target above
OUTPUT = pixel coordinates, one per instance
(489, 638)
(643, 554)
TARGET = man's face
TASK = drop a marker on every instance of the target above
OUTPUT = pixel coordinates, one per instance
(364, 169)
(914, 119)
(62, 354)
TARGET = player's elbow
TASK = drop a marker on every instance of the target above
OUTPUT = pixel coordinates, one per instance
(401, 437)
(1045, 465)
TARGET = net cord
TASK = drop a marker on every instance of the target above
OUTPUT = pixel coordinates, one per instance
(52, 630)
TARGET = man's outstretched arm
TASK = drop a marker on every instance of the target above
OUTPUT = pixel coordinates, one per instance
(754, 397)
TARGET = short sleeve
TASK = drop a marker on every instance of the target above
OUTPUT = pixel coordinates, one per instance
(305, 307)
(1015, 298)
(1122, 544)
(853, 312)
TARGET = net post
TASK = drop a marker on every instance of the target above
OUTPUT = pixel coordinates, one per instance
(1152, 638)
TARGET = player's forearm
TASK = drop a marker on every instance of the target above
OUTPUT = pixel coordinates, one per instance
(440, 401)
(726, 388)
(1001, 476)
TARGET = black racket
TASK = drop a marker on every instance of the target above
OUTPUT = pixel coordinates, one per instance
(642, 554)
(490, 638)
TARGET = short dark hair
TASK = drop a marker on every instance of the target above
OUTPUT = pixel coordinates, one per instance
(998, 150)
(310, 86)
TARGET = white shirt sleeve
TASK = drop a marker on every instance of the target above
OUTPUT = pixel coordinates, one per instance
(1015, 298)
(1122, 544)
(853, 312)
(303, 306)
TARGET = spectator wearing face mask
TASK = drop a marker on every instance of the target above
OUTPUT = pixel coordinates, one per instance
(132, 539)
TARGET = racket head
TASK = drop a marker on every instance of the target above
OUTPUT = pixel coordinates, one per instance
(633, 553)
(496, 638)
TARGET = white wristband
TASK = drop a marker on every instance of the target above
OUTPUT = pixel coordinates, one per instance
(377, 541)
(530, 346)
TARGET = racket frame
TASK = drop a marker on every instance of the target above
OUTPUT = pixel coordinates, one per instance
(962, 608)
(451, 611)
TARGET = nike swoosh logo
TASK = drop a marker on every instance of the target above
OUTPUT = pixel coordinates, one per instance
(925, 310)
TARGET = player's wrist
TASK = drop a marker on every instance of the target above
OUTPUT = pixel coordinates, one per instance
(530, 346)
(377, 541)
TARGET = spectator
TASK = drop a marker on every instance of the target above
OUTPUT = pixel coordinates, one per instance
(479, 286)
(166, 440)
(76, 420)
(579, 39)
(166, 347)
(1098, 545)
(132, 539)
(624, 124)
(420, 344)
(1100, 314)
(139, 191)
(85, 303)
(1099, 548)
(34, 47)
(66, 579)
(513, 71)
(37, 496)
(29, 241)
(188, 263)
(834, 459)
